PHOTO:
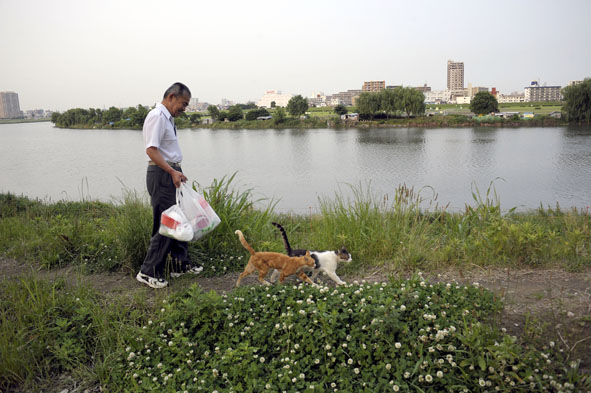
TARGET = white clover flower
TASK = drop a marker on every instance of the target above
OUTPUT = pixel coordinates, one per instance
(262, 360)
(398, 345)
(159, 365)
(268, 386)
(428, 378)
(439, 374)
(481, 382)
(395, 388)
(294, 380)
(356, 370)
(406, 374)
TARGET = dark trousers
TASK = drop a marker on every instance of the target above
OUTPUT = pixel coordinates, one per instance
(162, 196)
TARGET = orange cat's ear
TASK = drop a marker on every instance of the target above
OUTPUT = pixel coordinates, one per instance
(307, 253)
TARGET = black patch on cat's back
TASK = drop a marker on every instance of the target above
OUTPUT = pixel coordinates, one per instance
(301, 252)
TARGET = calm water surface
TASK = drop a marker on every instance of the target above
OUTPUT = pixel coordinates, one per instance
(537, 165)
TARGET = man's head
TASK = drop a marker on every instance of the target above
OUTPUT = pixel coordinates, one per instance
(176, 98)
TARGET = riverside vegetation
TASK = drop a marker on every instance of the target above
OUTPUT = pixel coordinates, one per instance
(400, 107)
(404, 335)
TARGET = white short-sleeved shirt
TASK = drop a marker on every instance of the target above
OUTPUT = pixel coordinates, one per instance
(158, 131)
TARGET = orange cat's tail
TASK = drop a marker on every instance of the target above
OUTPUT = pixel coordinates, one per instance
(244, 243)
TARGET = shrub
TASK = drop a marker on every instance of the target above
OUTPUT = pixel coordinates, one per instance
(406, 335)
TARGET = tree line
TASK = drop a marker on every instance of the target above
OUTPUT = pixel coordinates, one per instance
(577, 106)
(132, 117)
(391, 103)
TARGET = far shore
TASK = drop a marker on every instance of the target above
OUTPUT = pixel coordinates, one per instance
(451, 121)
(14, 121)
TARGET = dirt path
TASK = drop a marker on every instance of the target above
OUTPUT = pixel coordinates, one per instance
(558, 301)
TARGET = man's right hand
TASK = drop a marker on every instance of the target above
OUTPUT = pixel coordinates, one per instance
(178, 178)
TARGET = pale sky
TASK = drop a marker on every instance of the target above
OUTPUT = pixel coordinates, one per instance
(62, 54)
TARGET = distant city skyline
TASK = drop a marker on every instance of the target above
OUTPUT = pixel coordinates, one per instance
(66, 54)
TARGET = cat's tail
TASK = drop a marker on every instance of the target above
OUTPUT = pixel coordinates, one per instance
(243, 241)
(284, 236)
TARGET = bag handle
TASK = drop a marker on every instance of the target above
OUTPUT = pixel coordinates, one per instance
(179, 192)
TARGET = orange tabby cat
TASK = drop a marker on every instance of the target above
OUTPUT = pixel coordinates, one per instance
(265, 261)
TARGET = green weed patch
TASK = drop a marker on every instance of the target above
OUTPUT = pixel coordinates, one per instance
(400, 336)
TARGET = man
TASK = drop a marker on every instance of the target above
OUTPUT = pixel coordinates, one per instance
(163, 178)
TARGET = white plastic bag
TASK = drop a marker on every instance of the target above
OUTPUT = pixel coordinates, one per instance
(199, 213)
(174, 224)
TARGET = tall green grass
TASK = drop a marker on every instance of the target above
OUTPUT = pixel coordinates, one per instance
(50, 328)
(407, 229)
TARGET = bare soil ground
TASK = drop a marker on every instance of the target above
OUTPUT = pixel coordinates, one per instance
(551, 302)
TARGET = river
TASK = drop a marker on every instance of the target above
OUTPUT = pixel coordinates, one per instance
(532, 166)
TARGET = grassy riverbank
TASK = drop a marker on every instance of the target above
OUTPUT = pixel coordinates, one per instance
(102, 236)
(361, 337)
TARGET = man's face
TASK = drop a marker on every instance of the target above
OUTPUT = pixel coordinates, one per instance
(178, 104)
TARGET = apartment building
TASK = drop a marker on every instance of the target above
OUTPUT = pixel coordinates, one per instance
(510, 98)
(437, 96)
(9, 106)
(455, 75)
(276, 96)
(346, 98)
(374, 86)
(423, 88)
(536, 93)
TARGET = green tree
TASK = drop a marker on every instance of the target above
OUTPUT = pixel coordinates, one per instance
(390, 100)
(128, 113)
(248, 105)
(138, 117)
(112, 115)
(222, 115)
(413, 101)
(54, 117)
(235, 113)
(297, 106)
(253, 114)
(273, 104)
(214, 112)
(195, 117)
(483, 103)
(368, 104)
(577, 106)
(279, 116)
(340, 109)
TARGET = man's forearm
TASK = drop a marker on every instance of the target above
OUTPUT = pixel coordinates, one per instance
(155, 156)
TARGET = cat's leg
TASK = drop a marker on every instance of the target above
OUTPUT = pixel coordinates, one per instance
(315, 273)
(304, 277)
(335, 278)
(249, 269)
(274, 275)
(262, 273)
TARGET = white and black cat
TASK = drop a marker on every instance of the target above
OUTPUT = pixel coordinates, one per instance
(326, 261)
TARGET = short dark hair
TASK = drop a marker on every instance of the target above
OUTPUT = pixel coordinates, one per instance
(178, 89)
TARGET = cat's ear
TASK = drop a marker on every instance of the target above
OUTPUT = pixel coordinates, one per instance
(307, 253)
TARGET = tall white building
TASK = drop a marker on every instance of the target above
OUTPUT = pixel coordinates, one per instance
(273, 96)
(455, 75)
(9, 106)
